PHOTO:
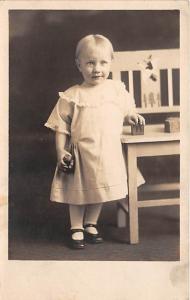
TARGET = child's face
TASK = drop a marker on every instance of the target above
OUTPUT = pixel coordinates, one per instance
(94, 63)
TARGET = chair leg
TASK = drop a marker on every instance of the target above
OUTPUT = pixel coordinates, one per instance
(133, 204)
(121, 217)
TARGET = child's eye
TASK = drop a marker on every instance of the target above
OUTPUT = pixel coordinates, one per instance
(90, 63)
(104, 62)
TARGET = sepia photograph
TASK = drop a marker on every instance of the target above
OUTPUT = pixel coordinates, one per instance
(94, 142)
(109, 98)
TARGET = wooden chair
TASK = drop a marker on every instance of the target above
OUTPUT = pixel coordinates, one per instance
(152, 77)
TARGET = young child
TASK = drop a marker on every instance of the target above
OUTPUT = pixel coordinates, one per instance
(90, 117)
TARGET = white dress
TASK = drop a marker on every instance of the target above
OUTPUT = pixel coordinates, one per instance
(93, 117)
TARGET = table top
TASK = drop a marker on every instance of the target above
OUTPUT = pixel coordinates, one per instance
(152, 133)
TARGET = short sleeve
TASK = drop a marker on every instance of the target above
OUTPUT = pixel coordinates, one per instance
(127, 100)
(61, 116)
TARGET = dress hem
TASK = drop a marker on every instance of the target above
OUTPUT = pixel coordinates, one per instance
(89, 197)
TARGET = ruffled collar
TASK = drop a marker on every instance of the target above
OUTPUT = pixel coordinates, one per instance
(91, 96)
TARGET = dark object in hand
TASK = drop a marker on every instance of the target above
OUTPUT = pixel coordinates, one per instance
(68, 164)
(172, 124)
(137, 129)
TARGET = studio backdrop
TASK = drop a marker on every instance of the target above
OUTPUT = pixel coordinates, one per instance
(42, 63)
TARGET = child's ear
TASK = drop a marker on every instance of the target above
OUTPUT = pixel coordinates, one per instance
(78, 64)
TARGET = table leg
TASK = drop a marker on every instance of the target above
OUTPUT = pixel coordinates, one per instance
(132, 186)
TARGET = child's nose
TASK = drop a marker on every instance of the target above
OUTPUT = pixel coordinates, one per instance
(97, 68)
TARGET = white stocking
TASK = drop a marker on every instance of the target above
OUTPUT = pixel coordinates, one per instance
(91, 216)
(76, 219)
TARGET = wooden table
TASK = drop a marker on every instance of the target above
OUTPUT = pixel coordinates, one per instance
(154, 142)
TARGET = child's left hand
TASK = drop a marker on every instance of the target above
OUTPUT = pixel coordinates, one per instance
(134, 119)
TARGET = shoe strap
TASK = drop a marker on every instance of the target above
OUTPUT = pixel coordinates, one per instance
(90, 225)
(77, 230)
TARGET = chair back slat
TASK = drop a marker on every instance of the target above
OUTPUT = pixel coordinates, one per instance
(170, 88)
(131, 87)
(117, 75)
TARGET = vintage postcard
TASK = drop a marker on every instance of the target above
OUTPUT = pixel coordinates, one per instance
(94, 150)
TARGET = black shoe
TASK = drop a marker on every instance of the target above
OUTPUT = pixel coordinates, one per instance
(93, 238)
(77, 244)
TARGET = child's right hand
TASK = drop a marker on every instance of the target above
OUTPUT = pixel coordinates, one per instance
(66, 163)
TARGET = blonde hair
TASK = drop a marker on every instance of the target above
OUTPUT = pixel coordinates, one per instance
(98, 39)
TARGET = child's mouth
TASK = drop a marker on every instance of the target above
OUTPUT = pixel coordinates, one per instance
(96, 77)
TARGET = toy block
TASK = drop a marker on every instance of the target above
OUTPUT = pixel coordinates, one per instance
(137, 129)
(172, 124)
